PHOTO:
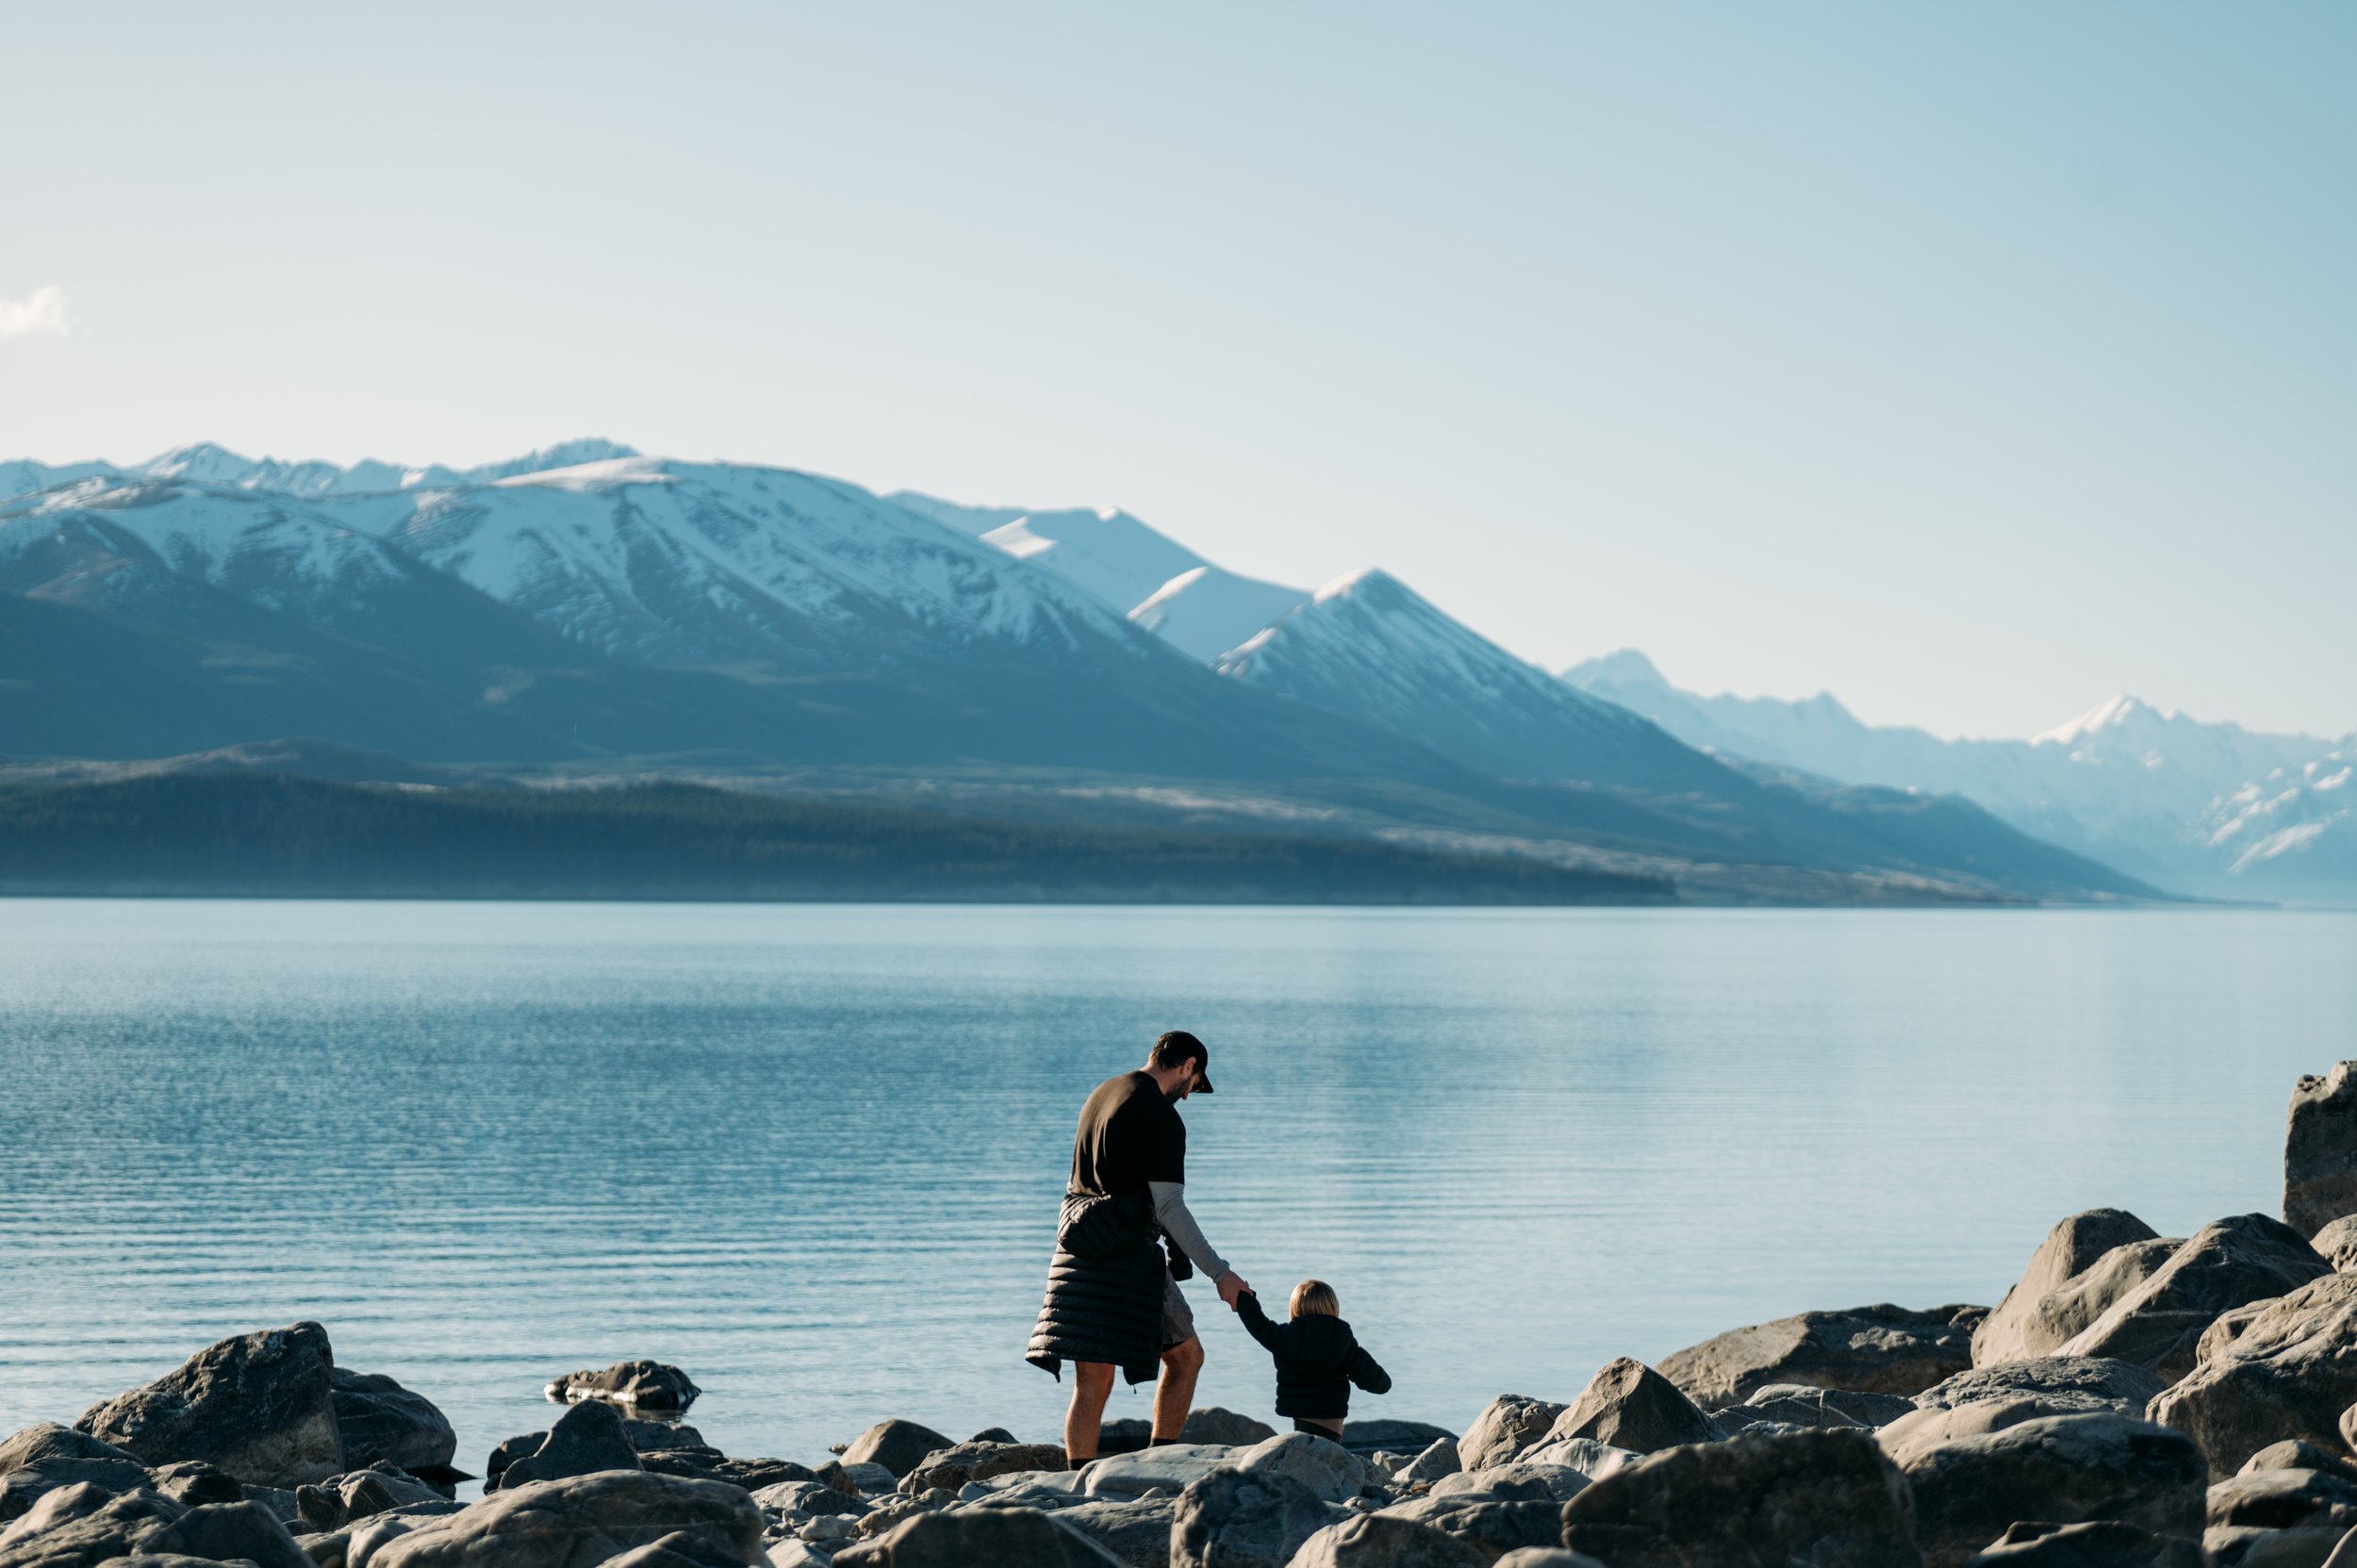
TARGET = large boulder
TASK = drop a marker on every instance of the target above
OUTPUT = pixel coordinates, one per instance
(1234, 1519)
(1506, 1426)
(2336, 1243)
(2320, 1150)
(1878, 1350)
(2225, 1264)
(1378, 1540)
(260, 1407)
(955, 1467)
(1000, 1536)
(1135, 1529)
(1380, 1433)
(1629, 1405)
(2289, 1373)
(81, 1527)
(2014, 1330)
(1172, 1468)
(1331, 1472)
(1216, 1425)
(578, 1521)
(1827, 1498)
(2284, 1499)
(1909, 1439)
(2098, 1381)
(586, 1439)
(2063, 1469)
(899, 1445)
(2103, 1544)
(1799, 1405)
(379, 1420)
(640, 1385)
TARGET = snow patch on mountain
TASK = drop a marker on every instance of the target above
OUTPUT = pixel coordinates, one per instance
(1207, 611)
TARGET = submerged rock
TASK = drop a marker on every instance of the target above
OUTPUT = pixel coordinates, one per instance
(1877, 1350)
(641, 1385)
(258, 1407)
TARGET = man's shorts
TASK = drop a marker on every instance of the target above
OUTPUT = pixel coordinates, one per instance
(1177, 1318)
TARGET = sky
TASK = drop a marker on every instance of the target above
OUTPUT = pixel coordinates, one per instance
(1974, 363)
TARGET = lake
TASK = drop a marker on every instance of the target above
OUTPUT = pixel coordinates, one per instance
(812, 1154)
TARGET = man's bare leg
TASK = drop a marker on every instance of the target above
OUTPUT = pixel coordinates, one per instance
(1092, 1385)
(1174, 1392)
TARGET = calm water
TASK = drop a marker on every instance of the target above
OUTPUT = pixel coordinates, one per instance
(812, 1154)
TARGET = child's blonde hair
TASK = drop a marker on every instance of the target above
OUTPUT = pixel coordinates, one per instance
(1315, 1295)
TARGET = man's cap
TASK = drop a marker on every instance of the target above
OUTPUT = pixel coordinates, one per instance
(1179, 1044)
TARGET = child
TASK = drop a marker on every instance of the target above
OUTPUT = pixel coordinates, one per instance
(1317, 1358)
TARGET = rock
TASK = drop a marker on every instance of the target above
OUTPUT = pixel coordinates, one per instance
(1491, 1525)
(953, 1467)
(1216, 1425)
(378, 1491)
(1629, 1405)
(1521, 1481)
(226, 1531)
(258, 1407)
(1330, 1471)
(2336, 1243)
(793, 1553)
(807, 1498)
(20, 1489)
(1406, 1437)
(2099, 1382)
(2289, 1373)
(1545, 1556)
(378, 1419)
(1506, 1426)
(1908, 1440)
(1591, 1458)
(1878, 1350)
(860, 1480)
(1827, 1498)
(193, 1483)
(2066, 1469)
(650, 1437)
(48, 1441)
(1799, 1405)
(2281, 1499)
(2103, 1544)
(1125, 1436)
(677, 1550)
(1173, 1467)
(585, 1440)
(1379, 1541)
(709, 1464)
(1232, 1518)
(642, 1385)
(1438, 1458)
(2320, 1150)
(79, 1526)
(1137, 1530)
(2243, 1546)
(2159, 1324)
(900, 1446)
(993, 1434)
(2298, 1453)
(2015, 1330)
(1003, 1538)
(578, 1520)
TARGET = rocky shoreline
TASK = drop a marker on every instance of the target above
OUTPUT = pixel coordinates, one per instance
(2133, 1400)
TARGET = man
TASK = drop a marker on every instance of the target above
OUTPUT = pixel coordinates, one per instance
(1113, 1302)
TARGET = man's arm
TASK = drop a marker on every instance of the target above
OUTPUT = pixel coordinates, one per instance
(1170, 1212)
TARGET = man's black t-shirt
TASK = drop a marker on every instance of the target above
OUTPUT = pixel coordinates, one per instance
(1130, 1134)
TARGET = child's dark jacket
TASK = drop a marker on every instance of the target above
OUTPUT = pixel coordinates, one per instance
(1318, 1358)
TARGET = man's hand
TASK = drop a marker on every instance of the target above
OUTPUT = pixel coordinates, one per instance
(1231, 1285)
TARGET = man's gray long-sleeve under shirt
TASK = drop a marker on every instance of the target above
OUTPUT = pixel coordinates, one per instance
(1170, 1211)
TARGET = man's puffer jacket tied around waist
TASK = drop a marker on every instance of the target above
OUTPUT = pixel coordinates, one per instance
(1104, 1301)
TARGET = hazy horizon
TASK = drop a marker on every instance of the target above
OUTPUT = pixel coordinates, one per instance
(1971, 366)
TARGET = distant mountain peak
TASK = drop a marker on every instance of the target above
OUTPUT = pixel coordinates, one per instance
(2113, 712)
(1368, 583)
(1622, 667)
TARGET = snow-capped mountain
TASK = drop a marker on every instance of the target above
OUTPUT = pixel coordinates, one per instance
(1131, 568)
(210, 463)
(2132, 784)
(2296, 828)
